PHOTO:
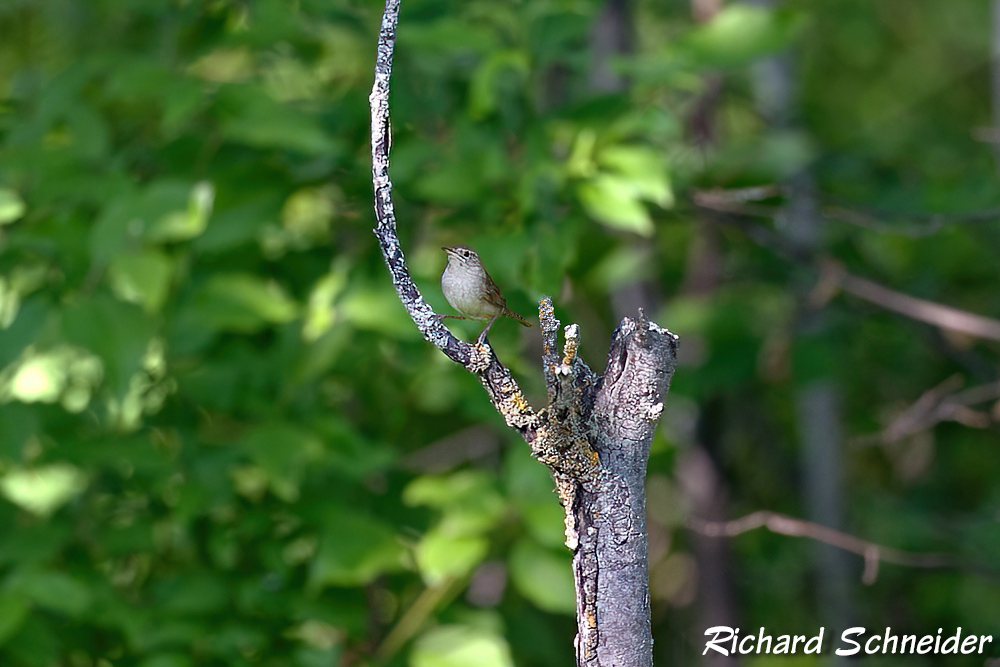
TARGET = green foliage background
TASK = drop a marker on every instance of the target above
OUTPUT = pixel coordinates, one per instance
(223, 443)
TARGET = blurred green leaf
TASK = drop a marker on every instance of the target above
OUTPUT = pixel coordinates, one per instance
(64, 374)
(283, 451)
(142, 278)
(376, 310)
(498, 77)
(42, 490)
(12, 207)
(242, 302)
(470, 499)
(13, 610)
(451, 182)
(115, 228)
(530, 488)
(22, 332)
(741, 33)
(88, 132)
(646, 171)
(460, 646)
(622, 267)
(40, 378)
(443, 554)
(308, 213)
(355, 547)
(52, 590)
(240, 224)
(224, 65)
(118, 333)
(192, 594)
(167, 660)
(169, 633)
(179, 224)
(236, 638)
(38, 542)
(163, 211)
(18, 425)
(351, 452)
(144, 83)
(543, 576)
(615, 202)
(449, 34)
(250, 116)
(37, 643)
(320, 313)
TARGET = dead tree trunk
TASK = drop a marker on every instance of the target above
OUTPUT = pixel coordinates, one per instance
(594, 434)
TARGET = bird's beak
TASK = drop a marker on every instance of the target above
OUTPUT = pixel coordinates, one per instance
(447, 249)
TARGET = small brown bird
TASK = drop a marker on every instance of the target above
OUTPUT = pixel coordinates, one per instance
(471, 291)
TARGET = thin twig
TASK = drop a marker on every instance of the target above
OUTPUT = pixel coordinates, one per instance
(833, 275)
(942, 403)
(915, 225)
(785, 525)
(940, 315)
(416, 615)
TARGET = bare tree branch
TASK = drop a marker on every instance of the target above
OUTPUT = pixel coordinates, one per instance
(594, 434)
(738, 201)
(939, 315)
(834, 276)
(785, 525)
(945, 402)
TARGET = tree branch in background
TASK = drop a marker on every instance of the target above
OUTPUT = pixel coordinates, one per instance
(834, 276)
(939, 315)
(936, 405)
(739, 201)
(594, 434)
(942, 403)
(786, 525)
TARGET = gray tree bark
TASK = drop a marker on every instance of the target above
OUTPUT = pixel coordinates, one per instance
(594, 433)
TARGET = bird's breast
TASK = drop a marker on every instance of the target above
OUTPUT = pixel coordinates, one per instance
(463, 290)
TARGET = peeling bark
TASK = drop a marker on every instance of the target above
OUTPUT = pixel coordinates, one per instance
(593, 435)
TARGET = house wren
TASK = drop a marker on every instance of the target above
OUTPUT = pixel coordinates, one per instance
(471, 291)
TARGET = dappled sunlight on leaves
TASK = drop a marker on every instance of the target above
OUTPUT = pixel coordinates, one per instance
(459, 646)
(741, 33)
(42, 490)
(12, 206)
(65, 373)
(223, 442)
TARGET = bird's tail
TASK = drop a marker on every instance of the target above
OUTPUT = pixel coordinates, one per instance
(517, 317)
